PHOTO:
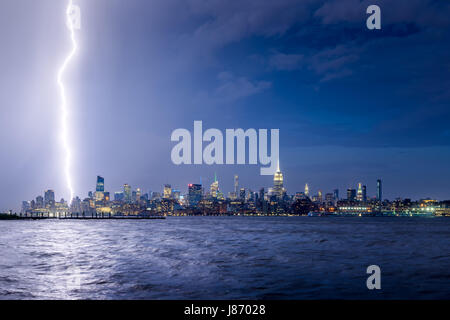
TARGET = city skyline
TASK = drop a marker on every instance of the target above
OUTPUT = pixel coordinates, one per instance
(201, 200)
(352, 105)
(358, 191)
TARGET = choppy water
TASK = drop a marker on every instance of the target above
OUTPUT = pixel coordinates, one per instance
(225, 258)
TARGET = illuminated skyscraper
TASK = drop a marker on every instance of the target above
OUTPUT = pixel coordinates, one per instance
(215, 187)
(379, 191)
(306, 190)
(236, 184)
(49, 198)
(127, 192)
(138, 194)
(100, 189)
(359, 195)
(167, 191)
(195, 194)
(100, 184)
(278, 189)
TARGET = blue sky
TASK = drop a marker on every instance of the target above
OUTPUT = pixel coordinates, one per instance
(352, 105)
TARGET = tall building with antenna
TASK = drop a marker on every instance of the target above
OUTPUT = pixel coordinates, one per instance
(359, 194)
(278, 188)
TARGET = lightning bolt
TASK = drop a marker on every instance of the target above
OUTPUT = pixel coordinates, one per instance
(64, 105)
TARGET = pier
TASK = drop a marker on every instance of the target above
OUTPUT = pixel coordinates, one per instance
(77, 216)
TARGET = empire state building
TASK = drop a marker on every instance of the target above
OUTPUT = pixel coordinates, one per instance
(278, 188)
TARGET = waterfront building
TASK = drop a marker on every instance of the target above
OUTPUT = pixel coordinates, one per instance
(49, 198)
(26, 205)
(39, 202)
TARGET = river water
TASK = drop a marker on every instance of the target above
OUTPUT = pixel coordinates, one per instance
(225, 258)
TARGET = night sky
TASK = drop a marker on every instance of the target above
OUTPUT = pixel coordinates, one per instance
(352, 104)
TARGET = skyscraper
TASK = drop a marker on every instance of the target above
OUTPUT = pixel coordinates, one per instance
(100, 184)
(167, 191)
(261, 194)
(138, 194)
(351, 194)
(214, 187)
(49, 198)
(195, 194)
(236, 184)
(278, 189)
(176, 194)
(242, 194)
(306, 190)
(336, 194)
(329, 198)
(39, 202)
(127, 192)
(379, 191)
(364, 194)
(100, 189)
(118, 196)
(359, 195)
